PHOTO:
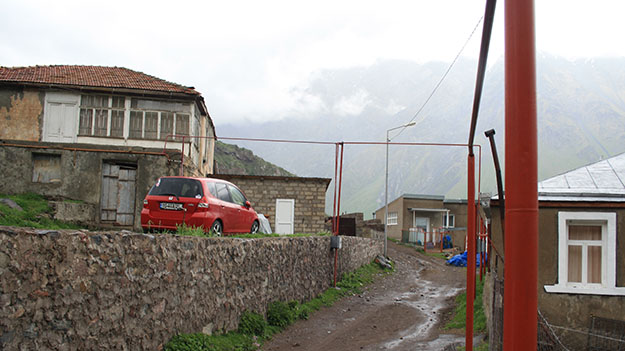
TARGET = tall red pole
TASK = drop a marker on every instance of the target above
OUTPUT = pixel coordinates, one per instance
(470, 250)
(521, 227)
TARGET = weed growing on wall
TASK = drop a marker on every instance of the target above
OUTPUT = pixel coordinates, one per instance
(35, 213)
(254, 329)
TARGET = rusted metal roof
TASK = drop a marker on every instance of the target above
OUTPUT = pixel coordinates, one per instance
(90, 76)
(599, 181)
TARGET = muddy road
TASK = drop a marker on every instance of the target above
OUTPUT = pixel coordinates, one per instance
(403, 311)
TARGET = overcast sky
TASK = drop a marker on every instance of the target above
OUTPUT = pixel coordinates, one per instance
(248, 58)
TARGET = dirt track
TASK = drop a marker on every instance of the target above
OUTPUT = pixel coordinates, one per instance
(403, 311)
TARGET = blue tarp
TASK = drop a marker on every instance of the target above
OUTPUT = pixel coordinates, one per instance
(447, 242)
(461, 259)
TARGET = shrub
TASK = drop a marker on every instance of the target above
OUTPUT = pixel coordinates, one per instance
(280, 314)
(252, 324)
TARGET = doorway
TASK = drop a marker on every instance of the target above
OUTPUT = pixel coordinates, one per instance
(285, 210)
(117, 204)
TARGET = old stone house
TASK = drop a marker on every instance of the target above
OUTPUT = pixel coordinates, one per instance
(101, 135)
(581, 253)
(416, 213)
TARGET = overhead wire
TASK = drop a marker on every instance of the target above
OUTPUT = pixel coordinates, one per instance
(442, 78)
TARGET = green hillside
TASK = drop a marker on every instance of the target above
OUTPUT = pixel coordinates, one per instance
(231, 159)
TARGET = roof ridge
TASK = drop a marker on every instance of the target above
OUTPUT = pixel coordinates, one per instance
(92, 76)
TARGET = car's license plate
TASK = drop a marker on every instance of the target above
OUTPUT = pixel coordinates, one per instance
(171, 206)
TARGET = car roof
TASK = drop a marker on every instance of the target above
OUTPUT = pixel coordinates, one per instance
(202, 179)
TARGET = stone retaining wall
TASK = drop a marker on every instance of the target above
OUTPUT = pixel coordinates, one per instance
(75, 290)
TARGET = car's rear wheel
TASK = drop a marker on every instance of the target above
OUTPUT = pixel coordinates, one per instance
(254, 228)
(217, 228)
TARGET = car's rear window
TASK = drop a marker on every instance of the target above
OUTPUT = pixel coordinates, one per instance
(180, 187)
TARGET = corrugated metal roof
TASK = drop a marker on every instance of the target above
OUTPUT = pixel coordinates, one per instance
(599, 181)
(90, 76)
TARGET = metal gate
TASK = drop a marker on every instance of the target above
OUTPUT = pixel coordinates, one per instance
(118, 194)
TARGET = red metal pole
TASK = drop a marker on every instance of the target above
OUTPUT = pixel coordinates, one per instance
(336, 180)
(521, 227)
(338, 217)
(338, 206)
(470, 250)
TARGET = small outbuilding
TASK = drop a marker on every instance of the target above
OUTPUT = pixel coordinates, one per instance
(292, 204)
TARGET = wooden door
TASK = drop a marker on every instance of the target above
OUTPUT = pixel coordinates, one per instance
(118, 194)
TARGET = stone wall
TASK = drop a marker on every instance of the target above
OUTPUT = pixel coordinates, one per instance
(67, 290)
(309, 195)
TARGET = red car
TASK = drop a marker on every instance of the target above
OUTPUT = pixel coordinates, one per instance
(215, 205)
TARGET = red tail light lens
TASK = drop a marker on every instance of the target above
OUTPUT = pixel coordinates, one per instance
(202, 206)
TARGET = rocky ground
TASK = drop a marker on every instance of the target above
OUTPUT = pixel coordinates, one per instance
(403, 311)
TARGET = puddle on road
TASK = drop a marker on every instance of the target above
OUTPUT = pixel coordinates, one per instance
(428, 300)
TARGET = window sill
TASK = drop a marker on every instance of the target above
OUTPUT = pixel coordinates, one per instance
(561, 289)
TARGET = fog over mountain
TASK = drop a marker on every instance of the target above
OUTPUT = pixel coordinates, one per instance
(581, 117)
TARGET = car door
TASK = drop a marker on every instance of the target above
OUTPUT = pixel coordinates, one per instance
(245, 215)
(229, 210)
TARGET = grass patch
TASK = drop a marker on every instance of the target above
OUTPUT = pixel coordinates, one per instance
(185, 230)
(440, 255)
(232, 341)
(36, 213)
(460, 312)
(254, 329)
(483, 346)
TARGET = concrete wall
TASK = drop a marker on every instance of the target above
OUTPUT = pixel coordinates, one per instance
(459, 232)
(309, 195)
(21, 114)
(569, 310)
(393, 231)
(404, 217)
(72, 290)
(80, 175)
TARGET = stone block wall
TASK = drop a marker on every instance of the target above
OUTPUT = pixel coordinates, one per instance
(68, 290)
(309, 195)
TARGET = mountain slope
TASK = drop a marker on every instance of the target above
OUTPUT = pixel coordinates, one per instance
(231, 159)
(581, 117)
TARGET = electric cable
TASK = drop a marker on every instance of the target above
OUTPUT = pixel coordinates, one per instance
(442, 78)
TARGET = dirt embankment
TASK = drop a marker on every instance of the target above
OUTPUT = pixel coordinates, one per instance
(404, 311)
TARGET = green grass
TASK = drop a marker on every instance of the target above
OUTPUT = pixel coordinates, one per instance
(36, 213)
(440, 255)
(232, 341)
(483, 346)
(460, 313)
(184, 230)
(254, 329)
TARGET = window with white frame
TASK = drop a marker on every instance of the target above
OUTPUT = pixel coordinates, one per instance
(452, 221)
(101, 115)
(104, 116)
(586, 254)
(392, 218)
(153, 119)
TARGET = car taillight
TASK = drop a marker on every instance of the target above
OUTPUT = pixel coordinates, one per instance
(145, 203)
(202, 206)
